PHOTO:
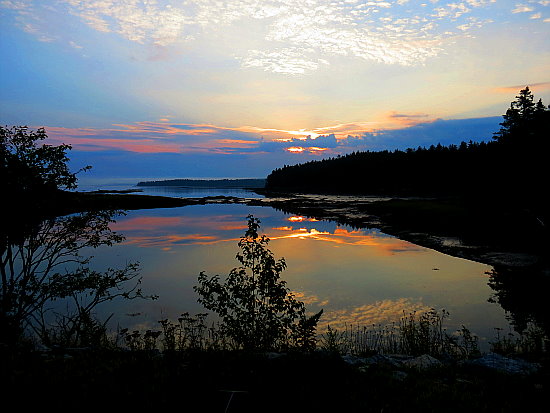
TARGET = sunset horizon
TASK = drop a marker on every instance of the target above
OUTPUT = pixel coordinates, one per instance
(238, 88)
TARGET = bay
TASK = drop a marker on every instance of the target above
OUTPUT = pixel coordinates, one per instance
(357, 276)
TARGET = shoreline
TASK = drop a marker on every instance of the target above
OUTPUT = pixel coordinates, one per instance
(447, 225)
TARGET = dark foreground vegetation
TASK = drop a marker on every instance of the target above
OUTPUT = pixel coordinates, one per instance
(248, 382)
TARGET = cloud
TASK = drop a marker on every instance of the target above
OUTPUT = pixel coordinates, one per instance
(441, 131)
(532, 86)
(290, 37)
(521, 8)
(157, 137)
(291, 61)
(74, 45)
(165, 147)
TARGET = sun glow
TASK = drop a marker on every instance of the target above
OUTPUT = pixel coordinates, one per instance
(299, 218)
(295, 149)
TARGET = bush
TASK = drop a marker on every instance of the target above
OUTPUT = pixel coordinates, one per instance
(257, 310)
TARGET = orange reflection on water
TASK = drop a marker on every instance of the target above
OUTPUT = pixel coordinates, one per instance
(165, 232)
(217, 223)
(230, 227)
(167, 241)
(283, 228)
(341, 236)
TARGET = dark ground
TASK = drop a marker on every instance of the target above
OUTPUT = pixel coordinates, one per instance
(317, 382)
(295, 383)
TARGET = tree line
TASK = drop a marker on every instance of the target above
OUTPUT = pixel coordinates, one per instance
(513, 162)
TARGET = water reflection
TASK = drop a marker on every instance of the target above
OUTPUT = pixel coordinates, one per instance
(523, 294)
(382, 312)
(344, 236)
(356, 276)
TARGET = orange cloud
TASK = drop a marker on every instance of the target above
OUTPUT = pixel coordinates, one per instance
(299, 218)
(310, 298)
(100, 143)
(534, 87)
(153, 137)
(172, 137)
(295, 149)
(300, 149)
(405, 120)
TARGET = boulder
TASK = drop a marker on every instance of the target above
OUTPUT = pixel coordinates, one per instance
(504, 364)
(423, 362)
(354, 360)
(384, 361)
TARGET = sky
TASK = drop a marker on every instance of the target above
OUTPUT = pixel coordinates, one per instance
(235, 88)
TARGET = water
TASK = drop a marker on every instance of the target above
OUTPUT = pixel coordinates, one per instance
(356, 276)
(174, 191)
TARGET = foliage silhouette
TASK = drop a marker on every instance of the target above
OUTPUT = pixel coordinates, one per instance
(42, 263)
(257, 310)
(524, 122)
(28, 167)
(40, 254)
(522, 294)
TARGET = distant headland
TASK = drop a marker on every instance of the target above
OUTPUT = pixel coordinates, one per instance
(208, 183)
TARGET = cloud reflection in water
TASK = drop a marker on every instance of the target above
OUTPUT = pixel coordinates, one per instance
(358, 276)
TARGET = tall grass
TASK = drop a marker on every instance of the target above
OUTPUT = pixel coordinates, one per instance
(414, 334)
(531, 343)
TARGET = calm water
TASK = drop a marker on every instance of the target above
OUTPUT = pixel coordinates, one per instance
(174, 191)
(356, 276)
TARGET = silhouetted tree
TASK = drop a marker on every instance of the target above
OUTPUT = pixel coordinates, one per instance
(514, 162)
(27, 166)
(256, 308)
(523, 121)
(40, 255)
(43, 264)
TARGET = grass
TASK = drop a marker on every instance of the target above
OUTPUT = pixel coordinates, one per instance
(415, 334)
(196, 371)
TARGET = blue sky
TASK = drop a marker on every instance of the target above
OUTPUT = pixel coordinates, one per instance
(206, 88)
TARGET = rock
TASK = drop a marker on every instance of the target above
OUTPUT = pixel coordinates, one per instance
(423, 362)
(385, 361)
(399, 375)
(354, 360)
(511, 259)
(504, 364)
